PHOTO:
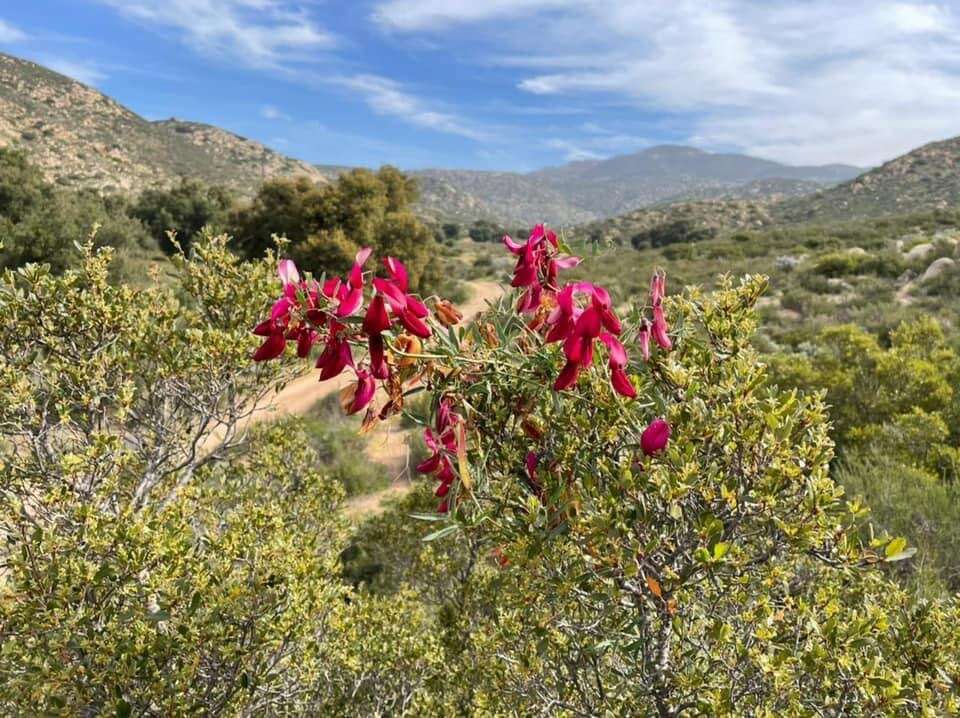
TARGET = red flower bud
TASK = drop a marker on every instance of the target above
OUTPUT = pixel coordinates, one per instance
(655, 437)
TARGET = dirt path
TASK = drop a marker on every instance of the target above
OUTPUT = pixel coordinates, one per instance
(388, 444)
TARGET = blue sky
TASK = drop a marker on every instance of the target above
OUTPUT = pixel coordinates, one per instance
(519, 84)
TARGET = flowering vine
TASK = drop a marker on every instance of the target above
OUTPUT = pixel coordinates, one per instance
(395, 323)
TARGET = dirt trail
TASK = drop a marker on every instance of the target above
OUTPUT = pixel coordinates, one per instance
(388, 443)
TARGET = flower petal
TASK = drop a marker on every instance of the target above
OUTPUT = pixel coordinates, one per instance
(271, 348)
(398, 272)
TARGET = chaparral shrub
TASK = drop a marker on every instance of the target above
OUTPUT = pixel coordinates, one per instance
(666, 536)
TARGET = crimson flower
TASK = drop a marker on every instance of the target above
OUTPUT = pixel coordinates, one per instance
(336, 355)
(442, 444)
(282, 324)
(655, 437)
(362, 392)
(658, 289)
(538, 263)
(408, 309)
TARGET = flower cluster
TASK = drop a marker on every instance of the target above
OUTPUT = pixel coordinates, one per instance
(308, 311)
(581, 313)
(443, 444)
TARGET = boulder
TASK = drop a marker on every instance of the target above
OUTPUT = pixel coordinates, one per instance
(937, 268)
(920, 251)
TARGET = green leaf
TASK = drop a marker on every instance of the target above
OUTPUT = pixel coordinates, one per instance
(720, 550)
(123, 709)
(445, 531)
(902, 555)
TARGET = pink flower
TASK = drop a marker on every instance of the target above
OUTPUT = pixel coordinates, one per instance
(644, 338)
(408, 309)
(655, 437)
(618, 362)
(363, 391)
(442, 444)
(660, 329)
(288, 272)
(658, 288)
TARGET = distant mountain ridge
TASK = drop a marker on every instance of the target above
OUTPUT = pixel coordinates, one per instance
(923, 180)
(80, 137)
(587, 190)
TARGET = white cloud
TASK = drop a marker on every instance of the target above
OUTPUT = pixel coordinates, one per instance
(386, 97)
(857, 81)
(275, 35)
(85, 72)
(271, 112)
(409, 15)
(10, 34)
(258, 33)
(599, 142)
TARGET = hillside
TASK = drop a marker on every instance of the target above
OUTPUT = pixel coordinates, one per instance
(80, 137)
(924, 179)
(505, 197)
(708, 214)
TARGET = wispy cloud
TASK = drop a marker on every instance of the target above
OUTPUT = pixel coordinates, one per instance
(280, 36)
(85, 72)
(858, 81)
(386, 97)
(271, 112)
(258, 33)
(11, 34)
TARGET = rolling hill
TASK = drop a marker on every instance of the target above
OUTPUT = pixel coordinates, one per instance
(924, 179)
(80, 137)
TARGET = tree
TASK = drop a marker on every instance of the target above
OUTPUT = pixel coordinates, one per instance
(184, 209)
(674, 232)
(40, 223)
(158, 557)
(326, 225)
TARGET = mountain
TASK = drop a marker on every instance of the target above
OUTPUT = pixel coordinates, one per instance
(594, 189)
(508, 198)
(627, 182)
(80, 137)
(924, 179)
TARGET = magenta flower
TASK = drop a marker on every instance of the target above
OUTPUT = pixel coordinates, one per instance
(275, 341)
(443, 445)
(350, 293)
(655, 437)
(658, 290)
(408, 309)
(363, 392)
(336, 355)
(644, 338)
(538, 264)
(618, 362)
